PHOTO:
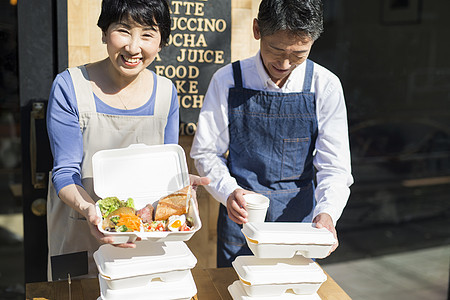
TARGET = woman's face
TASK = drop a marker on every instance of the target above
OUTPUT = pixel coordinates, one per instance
(131, 47)
(282, 52)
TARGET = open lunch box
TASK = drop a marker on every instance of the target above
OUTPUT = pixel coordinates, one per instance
(145, 174)
(284, 239)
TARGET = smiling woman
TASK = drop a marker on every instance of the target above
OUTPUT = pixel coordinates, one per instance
(116, 101)
(131, 48)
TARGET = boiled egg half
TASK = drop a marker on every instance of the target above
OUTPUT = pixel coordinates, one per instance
(174, 222)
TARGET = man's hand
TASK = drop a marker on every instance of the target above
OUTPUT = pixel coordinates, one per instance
(324, 220)
(236, 206)
(195, 182)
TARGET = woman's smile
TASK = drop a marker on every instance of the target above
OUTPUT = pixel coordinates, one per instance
(131, 61)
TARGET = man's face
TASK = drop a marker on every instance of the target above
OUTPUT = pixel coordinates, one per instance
(281, 52)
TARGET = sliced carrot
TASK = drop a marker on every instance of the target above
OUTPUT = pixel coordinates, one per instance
(132, 222)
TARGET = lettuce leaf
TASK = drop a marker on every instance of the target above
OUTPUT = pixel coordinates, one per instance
(130, 203)
(109, 204)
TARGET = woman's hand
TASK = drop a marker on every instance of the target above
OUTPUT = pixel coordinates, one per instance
(236, 206)
(94, 220)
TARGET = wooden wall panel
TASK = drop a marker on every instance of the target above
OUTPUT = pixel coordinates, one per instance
(85, 46)
(243, 44)
(84, 37)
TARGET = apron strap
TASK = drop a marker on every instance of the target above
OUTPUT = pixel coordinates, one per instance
(237, 74)
(308, 76)
(83, 89)
(163, 97)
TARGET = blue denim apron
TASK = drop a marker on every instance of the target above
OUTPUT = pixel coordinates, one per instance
(272, 139)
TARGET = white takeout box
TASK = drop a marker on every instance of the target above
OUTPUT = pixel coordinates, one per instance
(284, 240)
(237, 292)
(183, 289)
(144, 173)
(135, 267)
(274, 277)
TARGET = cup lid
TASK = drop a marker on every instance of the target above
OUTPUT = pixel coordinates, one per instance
(256, 200)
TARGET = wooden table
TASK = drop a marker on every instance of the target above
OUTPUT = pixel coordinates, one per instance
(212, 284)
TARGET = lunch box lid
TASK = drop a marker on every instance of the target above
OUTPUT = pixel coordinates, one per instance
(147, 258)
(237, 292)
(144, 173)
(263, 271)
(287, 233)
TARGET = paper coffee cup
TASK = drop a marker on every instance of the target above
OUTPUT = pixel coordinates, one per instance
(257, 205)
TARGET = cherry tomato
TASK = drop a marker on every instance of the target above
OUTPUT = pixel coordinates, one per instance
(184, 227)
(160, 227)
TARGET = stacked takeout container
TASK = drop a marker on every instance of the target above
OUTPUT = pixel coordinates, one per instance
(150, 271)
(282, 266)
(160, 265)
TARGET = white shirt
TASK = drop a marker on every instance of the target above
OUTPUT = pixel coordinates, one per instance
(332, 153)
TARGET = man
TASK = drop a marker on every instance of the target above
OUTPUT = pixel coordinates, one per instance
(268, 123)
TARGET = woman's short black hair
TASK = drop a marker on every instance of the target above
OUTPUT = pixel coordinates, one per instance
(301, 17)
(154, 13)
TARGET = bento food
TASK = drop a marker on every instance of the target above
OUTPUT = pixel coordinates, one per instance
(122, 219)
(109, 204)
(174, 204)
(170, 214)
(146, 213)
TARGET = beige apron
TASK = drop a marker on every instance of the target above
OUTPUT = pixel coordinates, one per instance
(68, 231)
